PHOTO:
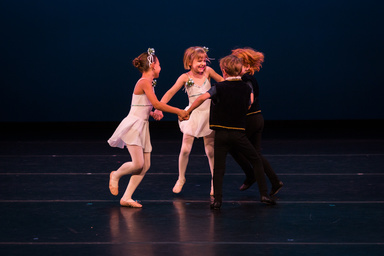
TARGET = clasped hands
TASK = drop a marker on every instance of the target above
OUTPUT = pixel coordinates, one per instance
(183, 116)
(158, 115)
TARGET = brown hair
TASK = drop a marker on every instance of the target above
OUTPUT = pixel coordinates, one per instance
(232, 65)
(141, 62)
(250, 57)
(192, 53)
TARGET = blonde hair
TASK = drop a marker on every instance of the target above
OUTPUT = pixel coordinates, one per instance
(232, 65)
(193, 53)
(250, 57)
(141, 62)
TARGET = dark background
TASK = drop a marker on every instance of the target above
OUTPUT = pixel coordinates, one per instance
(70, 60)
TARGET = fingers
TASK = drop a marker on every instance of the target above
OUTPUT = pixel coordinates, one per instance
(184, 116)
(157, 117)
(159, 113)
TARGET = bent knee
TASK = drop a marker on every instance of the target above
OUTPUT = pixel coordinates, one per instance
(137, 166)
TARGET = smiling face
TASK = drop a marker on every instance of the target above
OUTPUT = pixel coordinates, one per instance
(199, 64)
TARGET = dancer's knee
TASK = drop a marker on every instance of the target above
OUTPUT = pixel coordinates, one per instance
(137, 167)
(209, 152)
(185, 151)
(145, 168)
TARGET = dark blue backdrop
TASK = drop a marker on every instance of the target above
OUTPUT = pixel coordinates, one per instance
(70, 60)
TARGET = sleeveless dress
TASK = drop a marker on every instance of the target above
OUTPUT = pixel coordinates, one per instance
(134, 129)
(198, 123)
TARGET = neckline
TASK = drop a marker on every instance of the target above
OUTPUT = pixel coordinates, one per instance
(194, 83)
(233, 78)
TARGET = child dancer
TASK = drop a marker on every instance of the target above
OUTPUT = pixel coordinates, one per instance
(133, 131)
(230, 102)
(195, 82)
(255, 122)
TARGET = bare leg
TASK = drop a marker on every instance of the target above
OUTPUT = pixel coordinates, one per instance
(186, 148)
(209, 146)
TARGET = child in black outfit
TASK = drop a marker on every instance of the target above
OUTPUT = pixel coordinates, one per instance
(229, 106)
(252, 61)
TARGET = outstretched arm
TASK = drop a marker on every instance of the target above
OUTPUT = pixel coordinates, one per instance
(175, 88)
(198, 102)
(146, 87)
(171, 92)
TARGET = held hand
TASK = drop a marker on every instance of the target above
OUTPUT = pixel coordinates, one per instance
(183, 118)
(183, 115)
(155, 116)
(158, 115)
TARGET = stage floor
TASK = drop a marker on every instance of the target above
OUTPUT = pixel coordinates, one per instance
(54, 196)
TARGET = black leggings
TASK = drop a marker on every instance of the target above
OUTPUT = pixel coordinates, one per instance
(254, 129)
(228, 140)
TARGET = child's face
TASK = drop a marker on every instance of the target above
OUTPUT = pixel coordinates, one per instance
(199, 64)
(156, 68)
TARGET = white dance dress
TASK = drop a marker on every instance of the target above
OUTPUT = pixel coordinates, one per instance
(134, 129)
(198, 123)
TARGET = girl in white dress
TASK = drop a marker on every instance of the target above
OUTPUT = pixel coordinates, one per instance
(195, 83)
(133, 131)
